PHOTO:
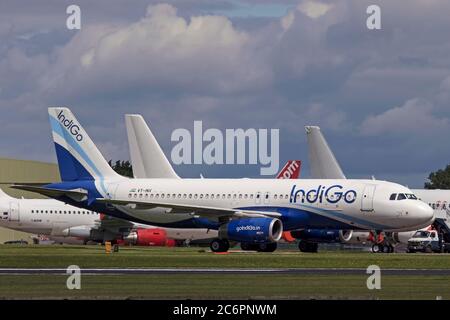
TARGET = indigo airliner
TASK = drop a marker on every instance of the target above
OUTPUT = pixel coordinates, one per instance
(243, 210)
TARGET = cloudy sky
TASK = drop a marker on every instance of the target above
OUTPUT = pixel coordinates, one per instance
(381, 97)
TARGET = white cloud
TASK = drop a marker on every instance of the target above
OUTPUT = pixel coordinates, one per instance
(314, 9)
(162, 49)
(287, 20)
(413, 118)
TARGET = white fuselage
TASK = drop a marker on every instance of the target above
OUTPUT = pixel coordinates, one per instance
(41, 216)
(362, 204)
(438, 200)
(53, 218)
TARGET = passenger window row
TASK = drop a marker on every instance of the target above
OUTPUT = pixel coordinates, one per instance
(63, 212)
(206, 196)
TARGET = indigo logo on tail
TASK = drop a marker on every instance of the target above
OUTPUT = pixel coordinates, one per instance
(72, 127)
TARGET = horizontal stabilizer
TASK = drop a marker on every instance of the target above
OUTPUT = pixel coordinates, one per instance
(77, 195)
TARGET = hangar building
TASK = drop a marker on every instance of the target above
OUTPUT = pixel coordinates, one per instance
(24, 171)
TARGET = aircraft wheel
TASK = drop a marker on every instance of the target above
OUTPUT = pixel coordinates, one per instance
(248, 246)
(313, 247)
(267, 247)
(219, 245)
(303, 246)
(376, 248)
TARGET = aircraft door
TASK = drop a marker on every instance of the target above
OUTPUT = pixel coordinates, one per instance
(367, 197)
(14, 214)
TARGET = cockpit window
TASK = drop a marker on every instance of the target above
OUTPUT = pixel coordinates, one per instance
(401, 196)
(411, 196)
(393, 196)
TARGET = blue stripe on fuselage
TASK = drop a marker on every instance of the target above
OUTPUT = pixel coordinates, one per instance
(296, 218)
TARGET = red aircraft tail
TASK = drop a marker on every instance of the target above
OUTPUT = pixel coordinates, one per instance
(291, 170)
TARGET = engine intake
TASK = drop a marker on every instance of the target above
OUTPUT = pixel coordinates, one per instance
(252, 230)
(345, 235)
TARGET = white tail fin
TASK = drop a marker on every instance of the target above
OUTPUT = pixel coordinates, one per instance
(147, 158)
(78, 157)
(322, 162)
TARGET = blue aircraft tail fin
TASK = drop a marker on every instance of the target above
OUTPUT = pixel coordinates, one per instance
(78, 157)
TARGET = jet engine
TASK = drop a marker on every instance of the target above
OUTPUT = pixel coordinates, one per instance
(149, 237)
(77, 232)
(252, 230)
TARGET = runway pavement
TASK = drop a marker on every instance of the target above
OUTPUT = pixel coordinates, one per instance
(290, 271)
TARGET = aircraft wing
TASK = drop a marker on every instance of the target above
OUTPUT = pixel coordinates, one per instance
(113, 223)
(203, 211)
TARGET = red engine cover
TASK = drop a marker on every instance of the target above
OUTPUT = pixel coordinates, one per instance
(152, 237)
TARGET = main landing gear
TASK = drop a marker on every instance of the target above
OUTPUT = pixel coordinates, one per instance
(260, 247)
(219, 245)
(222, 245)
(305, 246)
(382, 248)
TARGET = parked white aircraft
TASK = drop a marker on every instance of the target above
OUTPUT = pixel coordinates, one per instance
(324, 165)
(243, 210)
(47, 217)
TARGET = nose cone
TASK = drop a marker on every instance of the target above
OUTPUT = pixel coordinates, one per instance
(423, 214)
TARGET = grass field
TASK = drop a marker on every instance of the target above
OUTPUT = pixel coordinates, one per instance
(210, 286)
(135, 257)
